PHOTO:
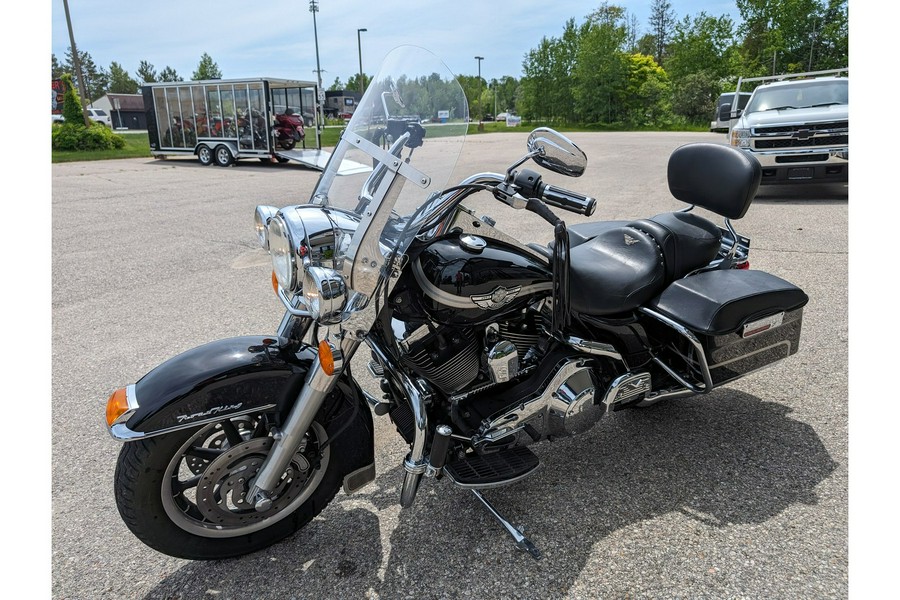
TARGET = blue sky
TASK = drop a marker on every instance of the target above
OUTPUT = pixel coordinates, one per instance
(276, 38)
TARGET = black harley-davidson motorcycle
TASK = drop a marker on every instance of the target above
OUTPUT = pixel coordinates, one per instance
(481, 345)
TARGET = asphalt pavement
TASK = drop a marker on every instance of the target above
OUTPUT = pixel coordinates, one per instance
(739, 494)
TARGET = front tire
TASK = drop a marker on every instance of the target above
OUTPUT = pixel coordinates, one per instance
(287, 143)
(184, 494)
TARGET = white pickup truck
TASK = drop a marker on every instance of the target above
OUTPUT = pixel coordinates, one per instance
(796, 126)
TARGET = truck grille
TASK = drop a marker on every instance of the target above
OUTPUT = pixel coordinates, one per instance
(831, 127)
(829, 140)
(806, 135)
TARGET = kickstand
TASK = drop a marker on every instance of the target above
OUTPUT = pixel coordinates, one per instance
(522, 542)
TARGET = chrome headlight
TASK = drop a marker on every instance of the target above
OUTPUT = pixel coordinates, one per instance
(261, 220)
(324, 294)
(740, 138)
(280, 247)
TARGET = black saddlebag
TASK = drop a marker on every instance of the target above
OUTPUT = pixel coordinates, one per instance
(745, 320)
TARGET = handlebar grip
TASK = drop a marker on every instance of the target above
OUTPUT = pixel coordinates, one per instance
(571, 201)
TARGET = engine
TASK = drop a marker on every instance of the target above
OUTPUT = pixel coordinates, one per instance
(460, 361)
(465, 317)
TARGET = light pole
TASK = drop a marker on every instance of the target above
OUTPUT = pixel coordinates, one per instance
(479, 59)
(314, 8)
(362, 80)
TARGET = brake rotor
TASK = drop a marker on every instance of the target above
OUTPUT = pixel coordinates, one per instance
(223, 488)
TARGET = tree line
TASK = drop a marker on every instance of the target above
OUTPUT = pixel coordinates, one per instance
(607, 70)
(117, 80)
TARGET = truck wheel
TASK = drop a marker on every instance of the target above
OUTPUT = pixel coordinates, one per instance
(223, 156)
(204, 155)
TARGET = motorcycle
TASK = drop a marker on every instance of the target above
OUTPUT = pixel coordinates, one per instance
(481, 345)
(288, 130)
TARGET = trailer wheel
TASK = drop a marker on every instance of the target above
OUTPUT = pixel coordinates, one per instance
(204, 155)
(223, 156)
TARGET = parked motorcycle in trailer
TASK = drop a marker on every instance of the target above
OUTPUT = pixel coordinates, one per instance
(288, 130)
(481, 344)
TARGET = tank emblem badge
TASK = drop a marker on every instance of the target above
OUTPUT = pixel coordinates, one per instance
(500, 296)
(630, 241)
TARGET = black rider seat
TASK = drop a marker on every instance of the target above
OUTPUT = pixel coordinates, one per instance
(616, 266)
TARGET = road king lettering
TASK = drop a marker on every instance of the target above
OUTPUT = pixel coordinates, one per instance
(207, 413)
(481, 345)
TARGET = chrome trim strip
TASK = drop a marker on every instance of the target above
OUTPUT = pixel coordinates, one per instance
(122, 433)
(454, 301)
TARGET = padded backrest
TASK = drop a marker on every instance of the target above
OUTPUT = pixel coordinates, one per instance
(715, 177)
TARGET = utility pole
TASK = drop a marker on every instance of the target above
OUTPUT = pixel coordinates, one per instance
(479, 59)
(314, 8)
(362, 79)
(77, 64)
(812, 44)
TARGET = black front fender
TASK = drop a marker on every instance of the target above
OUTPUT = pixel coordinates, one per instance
(245, 375)
(227, 377)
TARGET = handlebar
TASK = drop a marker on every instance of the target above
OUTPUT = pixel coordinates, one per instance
(568, 200)
(530, 185)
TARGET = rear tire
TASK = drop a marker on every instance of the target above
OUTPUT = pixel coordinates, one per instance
(184, 494)
(287, 144)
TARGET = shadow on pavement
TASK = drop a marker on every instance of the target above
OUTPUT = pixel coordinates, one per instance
(725, 459)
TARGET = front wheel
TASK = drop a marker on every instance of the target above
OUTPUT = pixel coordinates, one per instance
(287, 143)
(185, 493)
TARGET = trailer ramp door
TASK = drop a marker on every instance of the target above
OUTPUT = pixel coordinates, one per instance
(317, 159)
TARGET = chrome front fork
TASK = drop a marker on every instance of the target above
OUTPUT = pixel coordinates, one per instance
(288, 439)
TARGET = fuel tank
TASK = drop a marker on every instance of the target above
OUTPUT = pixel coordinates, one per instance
(474, 280)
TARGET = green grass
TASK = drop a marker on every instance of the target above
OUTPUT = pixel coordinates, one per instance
(137, 145)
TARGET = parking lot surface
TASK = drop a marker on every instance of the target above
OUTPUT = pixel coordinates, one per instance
(738, 494)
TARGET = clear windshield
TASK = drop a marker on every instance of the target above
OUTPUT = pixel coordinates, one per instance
(800, 95)
(397, 153)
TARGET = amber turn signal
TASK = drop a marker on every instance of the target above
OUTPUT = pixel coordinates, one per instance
(275, 283)
(326, 357)
(116, 406)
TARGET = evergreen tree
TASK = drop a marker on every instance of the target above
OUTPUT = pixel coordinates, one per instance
(56, 68)
(662, 20)
(120, 82)
(169, 74)
(207, 69)
(146, 73)
(96, 80)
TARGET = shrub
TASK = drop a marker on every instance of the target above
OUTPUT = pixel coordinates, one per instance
(72, 104)
(75, 136)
